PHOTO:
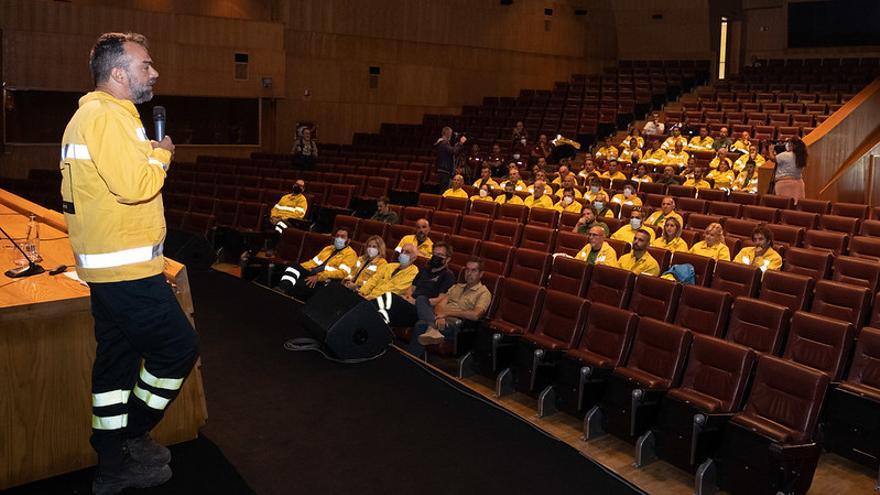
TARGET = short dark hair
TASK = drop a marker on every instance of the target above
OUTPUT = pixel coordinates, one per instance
(445, 246)
(384, 199)
(478, 261)
(109, 53)
(765, 231)
(643, 231)
(346, 229)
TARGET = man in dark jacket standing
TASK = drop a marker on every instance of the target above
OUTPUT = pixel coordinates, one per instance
(446, 151)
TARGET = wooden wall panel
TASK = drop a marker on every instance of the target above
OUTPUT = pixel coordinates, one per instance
(683, 33)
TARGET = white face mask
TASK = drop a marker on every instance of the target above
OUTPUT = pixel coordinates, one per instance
(627, 192)
(483, 193)
(516, 156)
(403, 259)
(635, 223)
(372, 252)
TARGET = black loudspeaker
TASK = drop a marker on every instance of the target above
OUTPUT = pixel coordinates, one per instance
(348, 326)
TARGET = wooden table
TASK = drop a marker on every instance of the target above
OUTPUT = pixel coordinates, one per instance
(47, 347)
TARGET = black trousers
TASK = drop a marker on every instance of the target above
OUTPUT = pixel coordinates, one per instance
(395, 310)
(293, 282)
(146, 347)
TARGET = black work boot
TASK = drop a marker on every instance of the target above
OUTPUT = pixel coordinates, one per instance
(147, 452)
(129, 474)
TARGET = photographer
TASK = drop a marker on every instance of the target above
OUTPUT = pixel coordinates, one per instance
(789, 167)
(446, 152)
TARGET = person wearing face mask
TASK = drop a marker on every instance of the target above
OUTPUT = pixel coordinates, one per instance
(588, 220)
(568, 202)
(456, 190)
(539, 199)
(509, 195)
(603, 206)
(597, 251)
(639, 260)
(334, 262)
(671, 236)
(392, 278)
(712, 245)
(371, 260)
(486, 179)
(752, 155)
(483, 194)
(762, 254)
(627, 232)
(628, 196)
(291, 206)
(666, 211)
(594, 189)
(399, 309)
(419, 239)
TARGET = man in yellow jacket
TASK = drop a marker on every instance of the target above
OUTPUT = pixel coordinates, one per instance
(419, 239)
(291, 206)
(639, 260)
(456, 190)
(762, 254)
(628, 231)
(597, 251)
(112, 177)
(333, 262)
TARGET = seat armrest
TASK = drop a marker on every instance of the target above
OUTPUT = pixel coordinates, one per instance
(794, 452)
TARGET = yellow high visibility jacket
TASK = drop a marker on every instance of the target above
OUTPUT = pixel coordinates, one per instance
(723, 180)
(718, 252)
(740, 164)
(514, 200)
(606, 255)
(698, 143)
(657, 218)
(386, 280)
(770, 260)
(291, 206)
(110, 188)
(653, 157)
(461, 193)
(574, 207)
(337, 267)
(670, 142)
(626, 234)
(364, 269)
(545, 201)
(676, 244)
(490, 182)
(646, 265)
(426, 249)
(561, 192)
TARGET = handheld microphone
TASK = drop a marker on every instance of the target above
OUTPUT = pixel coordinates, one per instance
(26, 271)
(159, 122)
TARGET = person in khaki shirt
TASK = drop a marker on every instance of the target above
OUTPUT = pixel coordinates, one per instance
(639, 261)
(442, 317)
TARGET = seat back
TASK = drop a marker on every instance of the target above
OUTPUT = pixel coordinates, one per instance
(692, 206)
(496, 257)
(458, 205)
(855, 210)
(805, 219)
(739, 228)
(531, 266)
(662, 256)
(698, 221)
(820, 343)
(611, 286)
(484, 208)
(791, 290)
(412, 214)
(787, 235)
(857, 271)
(445, 222)
(538, 238)
(865, 368)
(758, 324)
(703, 310)
(720, 370)
(660, 350)
(743, 198)
(428, 200)
(814, 206)
(655, 297)
(475, 226)
(312, 244)
(809, 262)
(367, 228)
(569, 243)
(703, 266)
(544, 217)
(339, 196)
(505, 232)
(376, 187)
(463, 249)
(826, 240)
(736, 279)
(249, 216)
(562, 318)
(842, 301)
(774, 201)
(609, 333)
(839, 223)
(726, 209)
(871, 227)
(512, 213)
(519, 304)
(865, 247)
(570, 275)
(289, 246)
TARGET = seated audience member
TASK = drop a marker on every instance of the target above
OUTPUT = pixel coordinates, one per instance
(677, 157)
(628, 196)
(495, 161)
(595, 188)
(384, 213)
(723, 140)
(666, 211)
(634, 139)
(722, 177)
(613, 172)
(720, 156)
(394, 278)
(674, 140)
(399, 310)
(697, 180)
(669, 178)
(563, 173)
(588, 168)
(520, 153)
(762, 254)
(486, 178)
(291, 206)
(606, 151)
(747, 180)
(629, 155)
(703, 142)
(371, 260)
(419, 239)
(519, 132)
(539, 199)
(641, 174)
(627, 232)
(542, 148)
(654, 128)
(334, 262)
(597, 251)
(456, 190)
(603, 205)
(568, 202)
(305, 149)
(655, 155)
(688, 171)
(712, 245)
(639, 261)
(514, 178)
(542, 164)
(589, 220)
(742, 144)
(442, 317)
(509, 195)
(752, 155)
(483, 194)
(671, 236)
(474, 161)
(540, 176)
(569, 185)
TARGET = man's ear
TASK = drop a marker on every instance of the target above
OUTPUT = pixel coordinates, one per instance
(118, 74)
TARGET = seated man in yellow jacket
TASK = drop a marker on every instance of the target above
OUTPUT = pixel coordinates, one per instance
(742, 144)
(509, 196)
(291, 206)
(675, 139)
(703, 142)
(654, 155)
(394, 278)
(597, 251)
(667, 209)
(628, 196)
(564, 173)
(613, 172)
(568, 202)
(456, 190)
(569, 185)
(762, 254)
(334, 262)
(677, 156)
(539, 199)
(629, 230)
(639, 260)
(419, 239)
(486, 178)
(514, 178)
(721, 156)
(697, 180)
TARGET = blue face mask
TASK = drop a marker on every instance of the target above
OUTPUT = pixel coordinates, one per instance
(403, 259)
(339, 243)
(599, 205)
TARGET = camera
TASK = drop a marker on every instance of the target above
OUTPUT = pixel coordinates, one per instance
(779, 146)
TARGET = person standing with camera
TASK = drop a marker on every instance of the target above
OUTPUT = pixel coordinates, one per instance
(446, 152)
(789, 168)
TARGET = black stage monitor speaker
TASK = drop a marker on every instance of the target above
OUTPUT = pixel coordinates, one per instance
(347, 325)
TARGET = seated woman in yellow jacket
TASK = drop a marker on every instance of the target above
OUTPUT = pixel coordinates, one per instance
(568, 202)
(723, 176)
(712, 245)
(671, 236)
(393, 277)
(334, 262)
(509, 197)
(762, 254)
(483, 194)
(371, 260)
(747, 180)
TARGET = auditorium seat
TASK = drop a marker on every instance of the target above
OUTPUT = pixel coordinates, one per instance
(736, 279)
(703, 310)
(347, 221)
(692, 415)
(496, 257)
(798, 218)
(568, 220)
(569, 275)
(197, 223)
(289, 247)
(691, 205)
(569, 243)
(634, 391)
(865, 247)
(761, 213)
(412, 214)
(505, 232)
(758, 324)
(713, 195)
(820, 343)
(853, 407)
(854, 210)
(743, 198)
(655, 297)
(477, 227)
(620, 247)
(842, 301)
(826, 240)
(791, 290)
(769, 445)
(516, 314)
(786, 236)
(583, 370)
(484, 209)
(428, 200)
(249, 217)
(663, 257)
(739, 228)
(611, 286)
(531, 266)
(543, 217)
(857, 271)
(731, 211)
(680, 192)
(838, 223)
(819, 206)
(393, 235)
(538, 238)
(512, 213)
(809, 262)
(463, 249)
(870, 228)
(445, 222)
(225, 210)
(698, 221)
(458, 205)
(774, 201)
(703, 266)
(201, 204)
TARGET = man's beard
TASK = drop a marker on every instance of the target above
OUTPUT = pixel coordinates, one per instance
(140, 93)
